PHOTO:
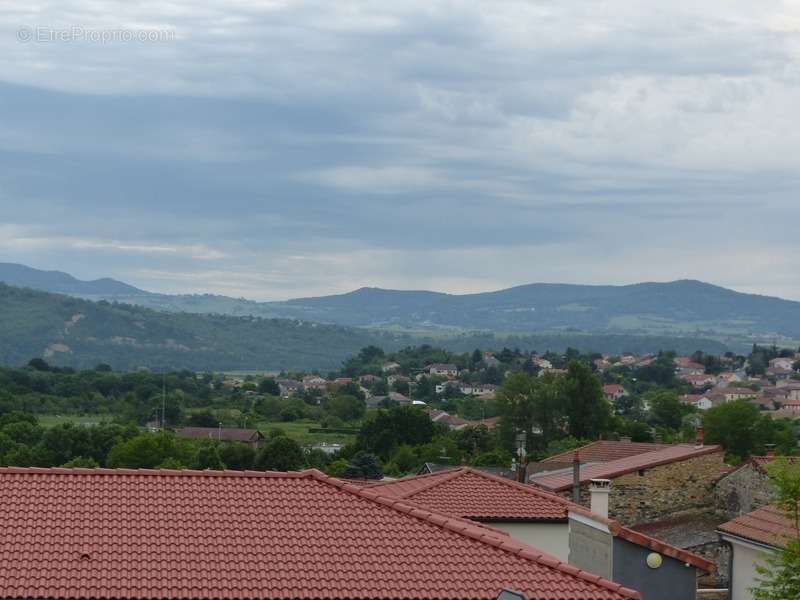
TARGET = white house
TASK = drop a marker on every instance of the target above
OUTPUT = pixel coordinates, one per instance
(753, 537)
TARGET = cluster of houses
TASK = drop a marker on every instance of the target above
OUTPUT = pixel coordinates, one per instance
(778, 392)
(611, 520)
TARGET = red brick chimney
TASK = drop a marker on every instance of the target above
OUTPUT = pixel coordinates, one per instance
(698, 440)
(770, 451)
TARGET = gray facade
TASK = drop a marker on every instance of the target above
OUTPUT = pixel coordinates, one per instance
(593, 548)
(673, 580)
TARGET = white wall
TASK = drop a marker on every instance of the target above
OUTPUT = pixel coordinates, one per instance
(745, 558)
(552, 538)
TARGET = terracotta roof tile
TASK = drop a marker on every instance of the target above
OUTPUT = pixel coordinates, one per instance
(767, 525)
(478, 495)
(562, 479)
(606, 451)
(101, 533)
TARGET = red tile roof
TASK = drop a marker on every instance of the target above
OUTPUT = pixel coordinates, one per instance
(767, 525)
(104, 533)
(606, 451)
(478, 495)
(562, 479)
(640, 539)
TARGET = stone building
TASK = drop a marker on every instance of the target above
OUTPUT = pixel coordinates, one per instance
(747, 488)
(646, 487)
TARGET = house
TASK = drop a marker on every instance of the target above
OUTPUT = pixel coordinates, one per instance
(289, 387)
(490, 361)
(686, 366)
(660, 571)
(699, 401)
(754, 537)
(746, 488)
(390, 367)
(698, 380)
(541, 363)
(737, 393)
(393, 379)
(782, 363)
(450, 384)
(314, 382)
(125, 534)
(392, 398)
(252, 437)
(779, 374)
(791, 405)
(556, 526)
(443, 369)
(603, 451)
(613, 391)
(451, 421)
(646, 487)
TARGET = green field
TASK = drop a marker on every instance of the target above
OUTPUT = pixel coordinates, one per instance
(51, 420)
(297, 430)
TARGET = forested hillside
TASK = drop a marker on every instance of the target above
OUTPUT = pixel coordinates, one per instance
(79, 333)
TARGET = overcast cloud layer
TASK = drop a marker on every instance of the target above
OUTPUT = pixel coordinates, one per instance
(290, 148)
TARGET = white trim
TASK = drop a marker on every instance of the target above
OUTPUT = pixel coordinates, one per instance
(735, 539)
(589, 522)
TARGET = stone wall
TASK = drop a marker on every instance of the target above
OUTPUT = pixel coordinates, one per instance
(742, 491)
(652, 494)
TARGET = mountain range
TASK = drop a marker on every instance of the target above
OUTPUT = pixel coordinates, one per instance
(684, 307)
(75, 332)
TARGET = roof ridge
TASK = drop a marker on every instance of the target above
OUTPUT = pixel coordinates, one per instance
(472, 530)
(152, 472)
(527, 488)
(438, 474)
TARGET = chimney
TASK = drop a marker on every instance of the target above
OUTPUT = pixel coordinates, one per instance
(576, 478)
(770, 450)
(698, 437)
(599, 490)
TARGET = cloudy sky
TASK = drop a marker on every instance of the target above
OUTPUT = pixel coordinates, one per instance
(283, 148)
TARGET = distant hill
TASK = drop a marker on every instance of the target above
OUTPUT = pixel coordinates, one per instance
(678, 308)
(69, 331)
(63, 283)
(75, 332)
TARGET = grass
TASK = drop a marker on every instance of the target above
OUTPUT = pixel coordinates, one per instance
(299, 431)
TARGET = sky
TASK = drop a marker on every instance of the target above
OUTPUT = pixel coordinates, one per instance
(276, 148)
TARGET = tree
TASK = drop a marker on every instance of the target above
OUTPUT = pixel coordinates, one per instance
(588, 412)
(780, 573)
(529, 404)
(362, 466)
(346, 407)
(280, 454)
(38, 364)
(269, 386)
(145, 451)
(387, 429)
(238, 457)
(202, 418)
(734, 425)
(666, 409)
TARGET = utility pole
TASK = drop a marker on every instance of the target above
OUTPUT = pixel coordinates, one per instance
(522, 464)
(163, 400)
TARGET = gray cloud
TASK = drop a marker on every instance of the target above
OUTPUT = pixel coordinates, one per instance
(285, 148)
